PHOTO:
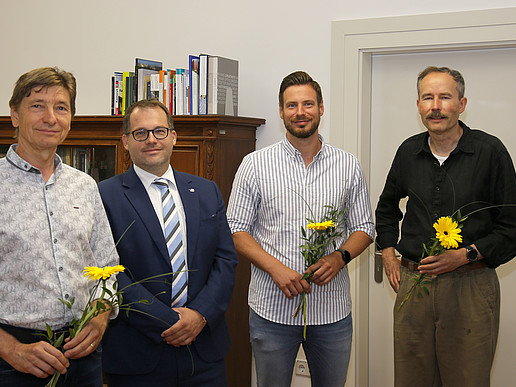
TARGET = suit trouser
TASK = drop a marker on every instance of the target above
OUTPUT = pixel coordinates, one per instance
(447, 338)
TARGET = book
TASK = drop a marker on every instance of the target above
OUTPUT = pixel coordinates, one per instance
(194, 84)
(203, 84)
(222, 86)
(155, 88)
(127, 90)
(162, 89)
(143, 69)
(117, 89)
(171, 91)
(180, 91)
(114, 96)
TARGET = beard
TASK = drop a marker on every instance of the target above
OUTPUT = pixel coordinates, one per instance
(305, 132)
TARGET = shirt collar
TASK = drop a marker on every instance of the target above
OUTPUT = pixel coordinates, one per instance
(465, 143)
(148, 178)
(293, 152)
(15, 159)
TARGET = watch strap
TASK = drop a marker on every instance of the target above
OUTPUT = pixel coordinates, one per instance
(346, 256)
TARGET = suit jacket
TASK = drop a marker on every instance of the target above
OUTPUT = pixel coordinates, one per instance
(132, 343)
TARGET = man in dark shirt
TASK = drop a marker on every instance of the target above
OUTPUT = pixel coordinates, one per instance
(449, 336)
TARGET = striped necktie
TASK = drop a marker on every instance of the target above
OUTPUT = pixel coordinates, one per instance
(174, 239)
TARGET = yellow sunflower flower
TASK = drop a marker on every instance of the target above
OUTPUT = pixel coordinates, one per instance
(97, 273)
(110, 270)
(320, 226)
(448, 232)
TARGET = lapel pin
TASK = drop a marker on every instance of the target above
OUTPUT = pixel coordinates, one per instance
(192, 189)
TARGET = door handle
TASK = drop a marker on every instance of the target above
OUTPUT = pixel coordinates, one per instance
(378, 267)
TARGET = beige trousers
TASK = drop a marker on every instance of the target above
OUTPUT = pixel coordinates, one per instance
(447, 338)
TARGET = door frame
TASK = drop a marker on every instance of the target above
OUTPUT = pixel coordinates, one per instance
(353, 44)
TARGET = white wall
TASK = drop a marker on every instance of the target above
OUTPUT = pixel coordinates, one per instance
(270, 38)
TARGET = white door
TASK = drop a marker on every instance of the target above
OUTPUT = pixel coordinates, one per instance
(490, 77)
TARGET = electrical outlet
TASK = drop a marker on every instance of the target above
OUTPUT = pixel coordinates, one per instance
(302, 368)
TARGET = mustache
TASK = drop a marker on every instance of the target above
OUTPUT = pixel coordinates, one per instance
(435, 115)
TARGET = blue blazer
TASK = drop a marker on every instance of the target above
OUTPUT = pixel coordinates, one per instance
(132, 343)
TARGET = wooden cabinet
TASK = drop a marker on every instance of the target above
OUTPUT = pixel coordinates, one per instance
(210, 146)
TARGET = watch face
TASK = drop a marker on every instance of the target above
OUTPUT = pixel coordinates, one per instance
(471, 254)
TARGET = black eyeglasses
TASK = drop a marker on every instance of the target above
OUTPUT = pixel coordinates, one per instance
(143, 134)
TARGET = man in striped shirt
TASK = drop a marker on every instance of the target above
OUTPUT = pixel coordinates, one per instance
(274, 192)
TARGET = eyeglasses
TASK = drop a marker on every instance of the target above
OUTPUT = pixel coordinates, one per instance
(143, 134)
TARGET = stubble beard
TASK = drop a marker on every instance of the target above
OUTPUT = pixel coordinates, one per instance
(305, 132)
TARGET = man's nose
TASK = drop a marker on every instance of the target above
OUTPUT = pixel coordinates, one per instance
(151, 138)
(49, 116)
(436, 104)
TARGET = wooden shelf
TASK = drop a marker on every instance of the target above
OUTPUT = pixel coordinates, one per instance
(211, 146)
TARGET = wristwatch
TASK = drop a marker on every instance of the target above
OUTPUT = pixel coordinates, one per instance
(471, 253)
(346, 256)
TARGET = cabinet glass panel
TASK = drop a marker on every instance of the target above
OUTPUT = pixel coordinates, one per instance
(3, 150)
(99, 162)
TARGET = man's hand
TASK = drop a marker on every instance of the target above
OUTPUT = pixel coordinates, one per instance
(186, 330)
(40, 359)
(444, 263)
(326, 268)
(288, 280)
(88, 338)
(391, 264)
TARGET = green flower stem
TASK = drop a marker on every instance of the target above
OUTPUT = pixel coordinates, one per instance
(54, 380)
(304, 315)
(434, 250)
(417, 281)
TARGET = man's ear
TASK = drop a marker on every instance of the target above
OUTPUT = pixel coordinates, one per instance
(463, 103)
(124, 141)
(14, 117)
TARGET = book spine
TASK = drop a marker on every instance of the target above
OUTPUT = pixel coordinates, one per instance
(203, 84)
(212, 84)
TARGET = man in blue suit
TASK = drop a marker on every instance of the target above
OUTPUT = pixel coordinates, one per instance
(167, 342)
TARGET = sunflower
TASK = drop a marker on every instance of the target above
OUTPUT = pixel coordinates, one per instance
(447, 232)
(97, 273)
(320, 226)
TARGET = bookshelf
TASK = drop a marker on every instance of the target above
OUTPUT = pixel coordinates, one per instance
(211, 146)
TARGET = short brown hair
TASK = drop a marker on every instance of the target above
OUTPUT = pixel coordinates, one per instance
(457, 77)
(43, 77)
(145, 104)
(299, 78)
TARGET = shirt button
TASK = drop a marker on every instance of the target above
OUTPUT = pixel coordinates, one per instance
(67, 296)
(60, 268)
(55, 240)
(51, 213)
(437, 188)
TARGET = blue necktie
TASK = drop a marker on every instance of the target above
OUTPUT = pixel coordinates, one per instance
(174, 239)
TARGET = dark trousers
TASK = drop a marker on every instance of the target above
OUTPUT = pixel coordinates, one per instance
(84, 372)
(177, 367)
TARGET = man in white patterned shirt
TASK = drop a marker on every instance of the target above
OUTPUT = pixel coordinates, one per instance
(52, 225)
(274, 192)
